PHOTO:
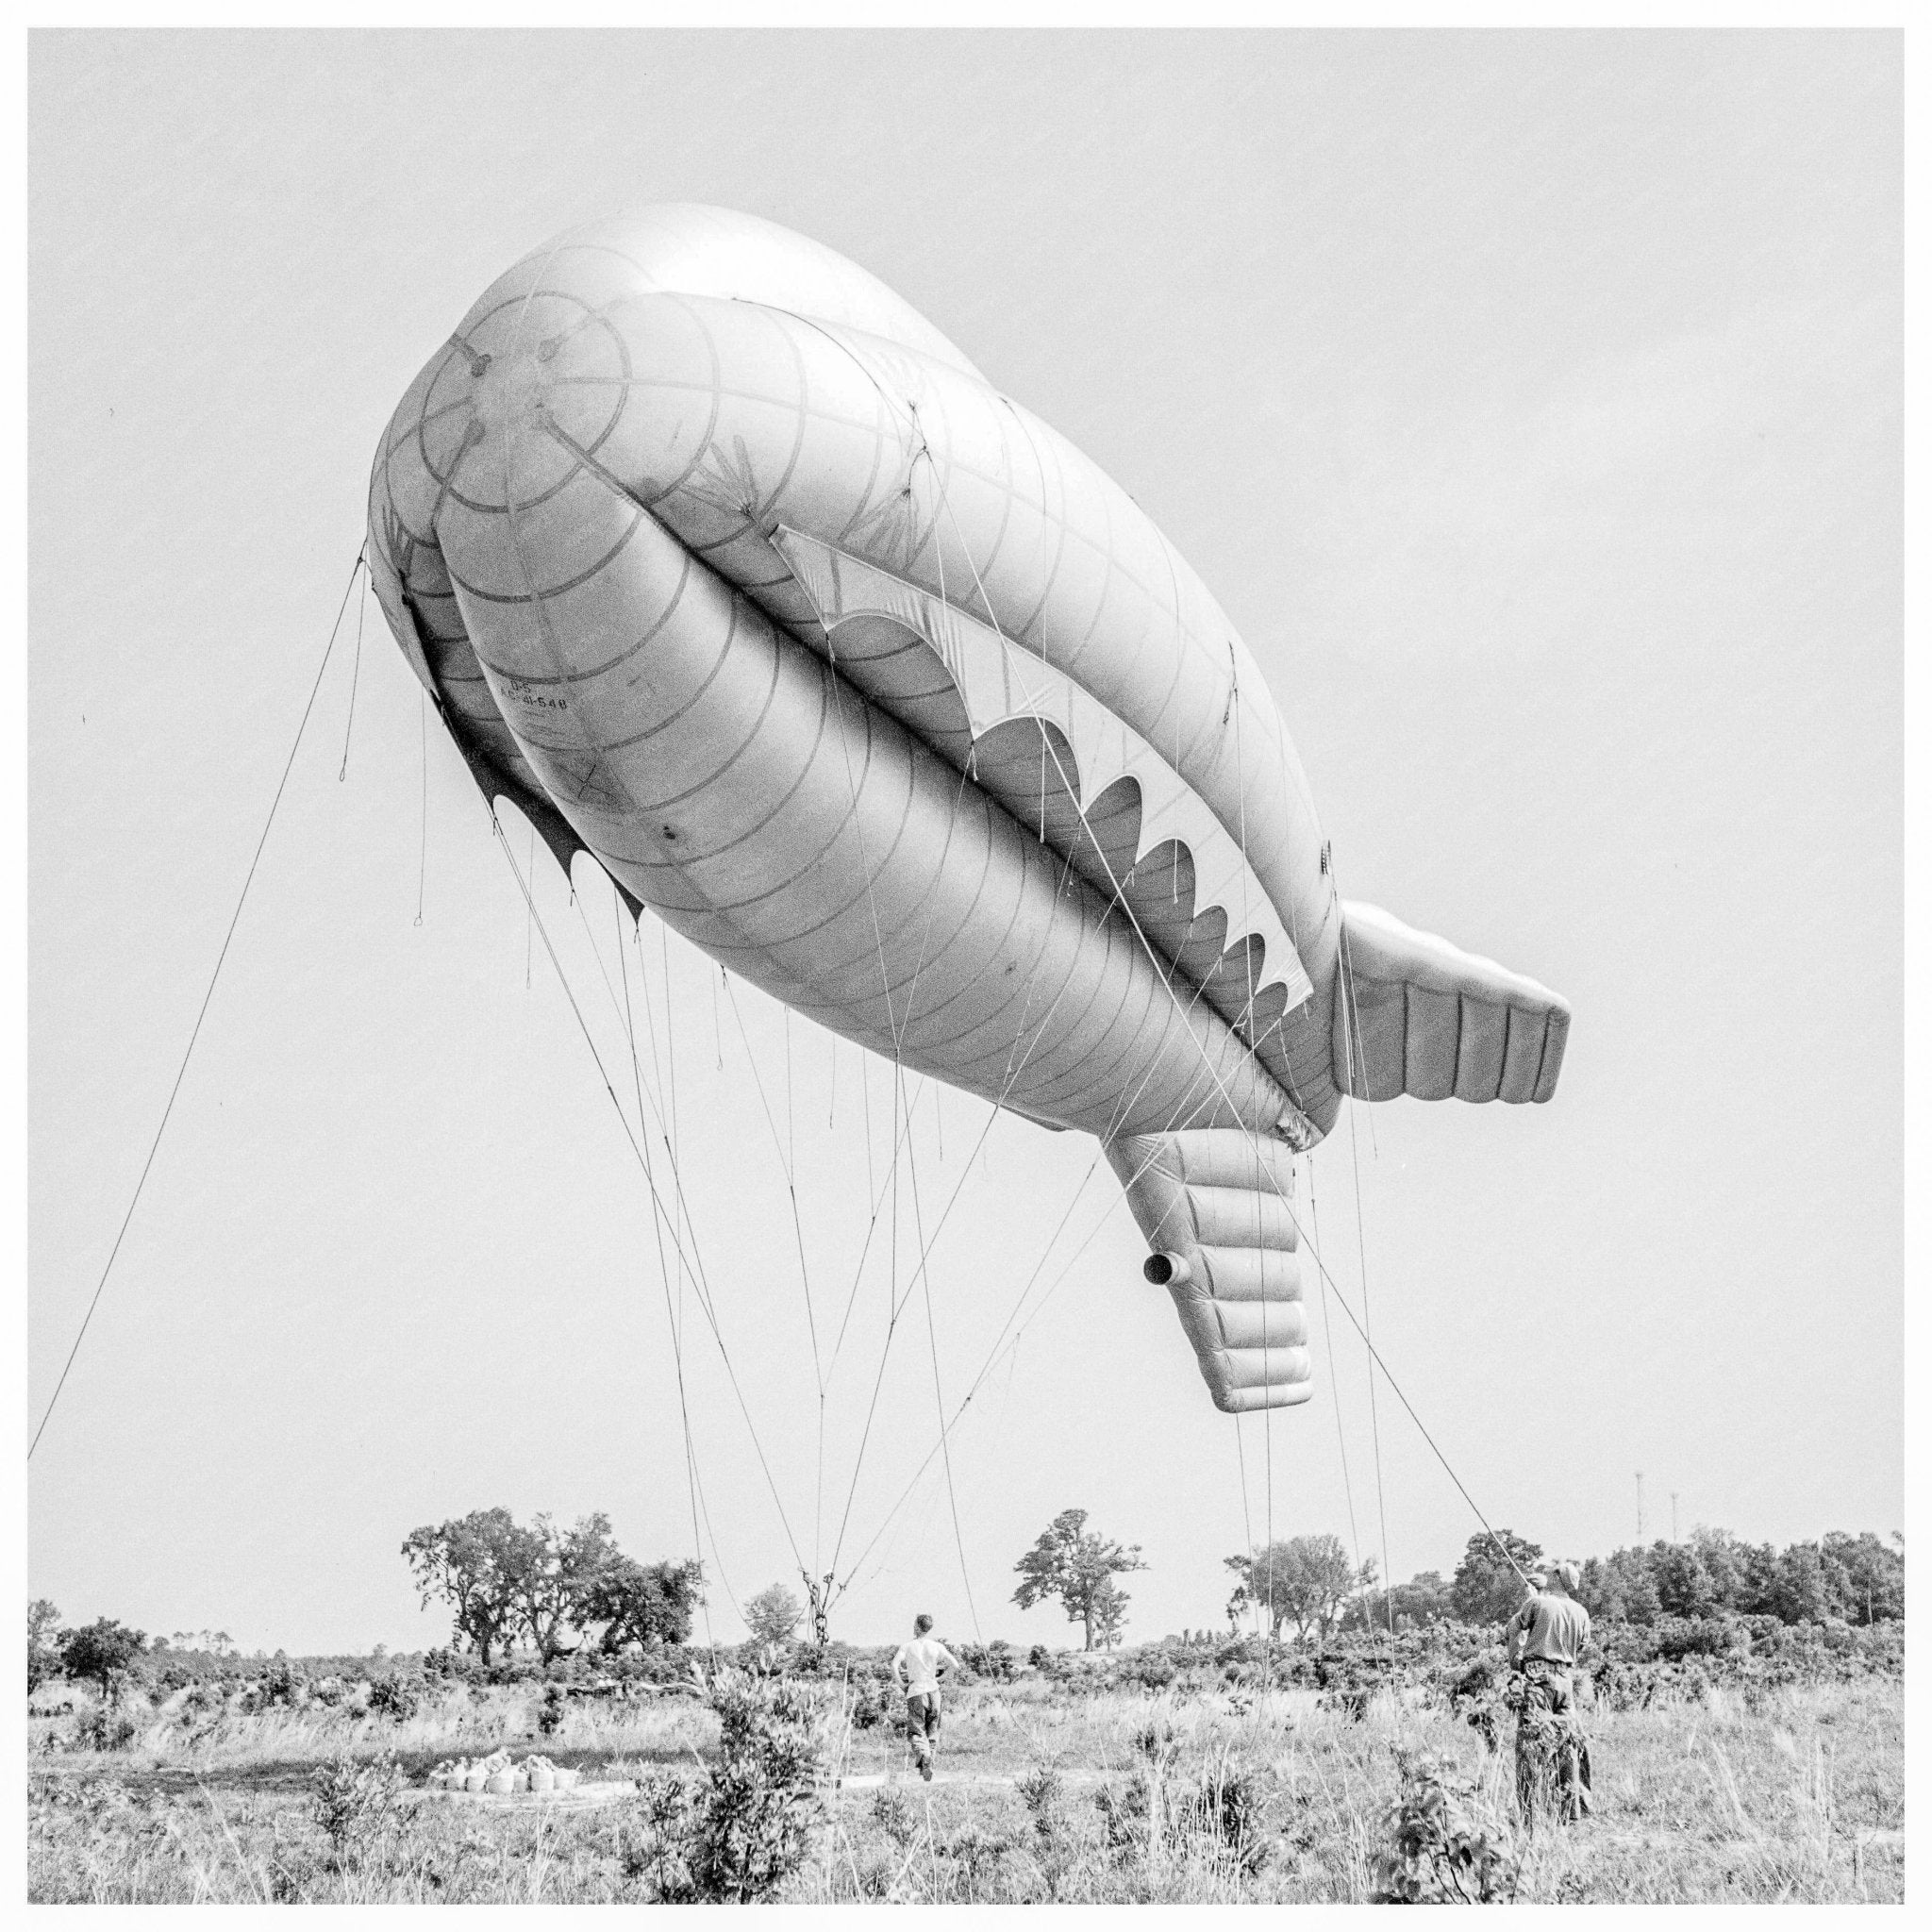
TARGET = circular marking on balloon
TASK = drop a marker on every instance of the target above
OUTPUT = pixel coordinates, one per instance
(519, 392)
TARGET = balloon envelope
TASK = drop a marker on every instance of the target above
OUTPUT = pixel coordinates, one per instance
(725, 565)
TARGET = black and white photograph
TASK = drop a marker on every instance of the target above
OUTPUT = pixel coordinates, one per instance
(965, 963)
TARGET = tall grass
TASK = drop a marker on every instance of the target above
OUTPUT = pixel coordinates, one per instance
(1796, 1793)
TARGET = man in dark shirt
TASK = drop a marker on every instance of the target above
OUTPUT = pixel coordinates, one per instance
(1545, 1639)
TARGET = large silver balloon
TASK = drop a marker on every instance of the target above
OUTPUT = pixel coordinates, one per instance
(723, 564)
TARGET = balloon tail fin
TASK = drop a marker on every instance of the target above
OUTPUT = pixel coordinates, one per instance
(1216, 1206)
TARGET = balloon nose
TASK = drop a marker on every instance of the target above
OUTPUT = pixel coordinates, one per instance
(533, 385)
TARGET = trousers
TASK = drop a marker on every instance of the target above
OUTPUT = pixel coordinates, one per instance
(923, 1726)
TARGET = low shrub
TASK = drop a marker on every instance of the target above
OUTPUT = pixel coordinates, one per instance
(356, 1804)
(736, 1834)
(396, 1698)
(1442, 1844)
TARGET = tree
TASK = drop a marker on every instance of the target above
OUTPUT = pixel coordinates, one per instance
(1422, 1600)
(1110, 1613)
(98, 1652)
(1077, 1567)
(1683, 1580)
(643, 1603)
(1723, 1559)
(1306, 1579)
(470, 1562)
(43, 1661)
(551, 1573)
(1486, 1589)
(773, 1615)
(1800, 1596)
(1866, 1577)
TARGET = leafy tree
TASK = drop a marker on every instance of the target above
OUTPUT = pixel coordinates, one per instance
(1620, 1586)
(1683, 1583)
(1077, 1567)
(43, 1661)
(643, 1603)
(773, 1615)
(1866, 1577)
(1757, 1594)
(1422, 1600)
(470, 1562)
(97, 1651)
(551, 1573)
(1486, 1589)
(1801, 1595)
(1307, 1580)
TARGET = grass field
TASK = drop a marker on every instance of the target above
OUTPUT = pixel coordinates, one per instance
(1794, 1793)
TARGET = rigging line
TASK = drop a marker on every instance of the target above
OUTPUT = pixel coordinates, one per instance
(938, 1396)
(899, 1302)
(423, 838)
(705, 1300)
(790, 1182)
(865, 1104)
(530, 923)
(1354, 1543)
(590, 1040)
(817, 1493)
(663, 1267)
(1352, 1057)
(354, 679)
(1241, 1456)
(879, 1202)
(194, 1033)
(1395, 1388)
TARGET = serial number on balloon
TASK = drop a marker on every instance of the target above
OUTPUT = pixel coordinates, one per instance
(524, 696)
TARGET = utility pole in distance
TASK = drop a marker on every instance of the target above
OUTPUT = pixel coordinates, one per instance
(1640, 1506)
(1674, 1516)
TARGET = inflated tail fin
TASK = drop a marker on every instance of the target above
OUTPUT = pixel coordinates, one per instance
(1415, 1015)
(1216, 1206)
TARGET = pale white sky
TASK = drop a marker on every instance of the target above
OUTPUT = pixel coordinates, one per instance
(1532, 404)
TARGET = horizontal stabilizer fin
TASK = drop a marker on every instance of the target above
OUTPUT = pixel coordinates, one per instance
(1422, 1017)
(1217, 1208)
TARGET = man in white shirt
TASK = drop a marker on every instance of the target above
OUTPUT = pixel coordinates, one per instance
(917, 1668)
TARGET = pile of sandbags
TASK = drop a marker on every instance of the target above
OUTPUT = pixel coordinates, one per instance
(500, 1775)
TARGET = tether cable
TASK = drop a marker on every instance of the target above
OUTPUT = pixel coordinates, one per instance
(220, 959)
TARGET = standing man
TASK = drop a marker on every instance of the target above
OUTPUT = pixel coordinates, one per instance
(1545, 1639)
(917, 1669)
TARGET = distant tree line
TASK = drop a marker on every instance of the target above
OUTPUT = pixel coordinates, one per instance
(1856, 1580)
(558, 1588)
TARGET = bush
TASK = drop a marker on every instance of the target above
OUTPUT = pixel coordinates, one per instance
(1151, 1669)
(396, 1698)
(1443, 1846)
(1227, 1807)
(875, 1702)
(737, 1835)
(105, 1728)
(354, 1804)
(280, 1686)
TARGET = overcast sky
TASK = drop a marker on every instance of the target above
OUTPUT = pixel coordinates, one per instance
(1532, 405)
